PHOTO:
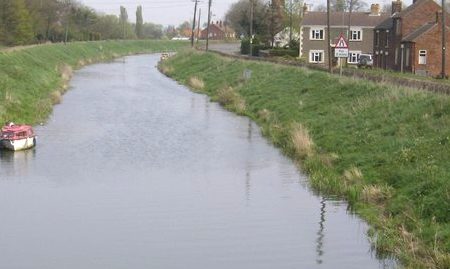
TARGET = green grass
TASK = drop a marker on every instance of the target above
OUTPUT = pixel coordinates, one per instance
(32, 79)
(384, 149)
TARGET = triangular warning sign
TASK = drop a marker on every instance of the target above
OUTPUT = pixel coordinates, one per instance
(341, 43)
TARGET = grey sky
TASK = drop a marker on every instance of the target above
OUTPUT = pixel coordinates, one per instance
(165, 12)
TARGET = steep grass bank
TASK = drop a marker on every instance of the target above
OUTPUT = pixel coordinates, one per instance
(384, 149)
(32, 80)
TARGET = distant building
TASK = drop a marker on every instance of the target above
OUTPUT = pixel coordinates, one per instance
(218, 31)
(410, 40)
(313, 40)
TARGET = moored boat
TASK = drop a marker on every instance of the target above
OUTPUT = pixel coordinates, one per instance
(17, 137)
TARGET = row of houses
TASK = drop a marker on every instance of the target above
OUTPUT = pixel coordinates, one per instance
(217, 31)
(406, 40)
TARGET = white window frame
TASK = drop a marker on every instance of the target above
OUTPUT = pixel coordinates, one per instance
(313, 54)
(353, 56)
(317, 34)
(422, 57)
(356, 35)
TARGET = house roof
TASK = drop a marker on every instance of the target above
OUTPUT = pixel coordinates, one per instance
(415, 5)
(386, 24)
(389, 22)
(221, 27)
(314, 18)
(418, 32)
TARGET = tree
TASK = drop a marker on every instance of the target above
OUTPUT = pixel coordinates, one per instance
(46, 15)
(276, 19)
(16, 25)
(184, 27)
(84, 18)
(153, 31)
(239, 17)
(139, 23)
(123, 18)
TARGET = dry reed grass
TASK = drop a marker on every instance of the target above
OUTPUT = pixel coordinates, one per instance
(165, 69)
(376, 194)
(196, 83)
(226, 96)
(301, 140)
(353, 175)
(265, 115)
(56, 97)
(66, 71)
(229, 98)
(328, 159)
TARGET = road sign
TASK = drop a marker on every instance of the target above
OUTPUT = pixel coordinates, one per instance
(341, 48)
(341, 43)
(341, 53)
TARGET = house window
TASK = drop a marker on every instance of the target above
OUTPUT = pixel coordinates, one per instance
(316, 34)
(316, 56)
(353, 57)
(422, 57)
(355, 35)
(387, 41)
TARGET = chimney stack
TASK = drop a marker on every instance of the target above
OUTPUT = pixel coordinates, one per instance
(305, 9)
(396, 6)
(374, 10)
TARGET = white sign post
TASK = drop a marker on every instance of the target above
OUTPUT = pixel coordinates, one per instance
(341, 50)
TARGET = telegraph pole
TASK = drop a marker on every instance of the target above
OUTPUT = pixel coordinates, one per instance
(198, 24)
(444, 41)
(251, 27)
(193, 24)
(328, 37)
(209, 21)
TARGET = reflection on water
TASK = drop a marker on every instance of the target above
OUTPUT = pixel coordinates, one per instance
(320, 233)
(20, 163)
(135, 171)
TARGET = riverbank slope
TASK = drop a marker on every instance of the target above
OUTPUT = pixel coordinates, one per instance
(383, 148)
(32, 80)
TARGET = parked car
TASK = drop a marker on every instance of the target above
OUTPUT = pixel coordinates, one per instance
(365, 60)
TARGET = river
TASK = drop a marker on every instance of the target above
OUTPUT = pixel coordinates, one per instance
(134, 171)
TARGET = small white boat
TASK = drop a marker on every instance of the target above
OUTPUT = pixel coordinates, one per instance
(17, 137)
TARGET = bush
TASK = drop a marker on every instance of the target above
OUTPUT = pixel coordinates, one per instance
(245, 46)
(283, 52)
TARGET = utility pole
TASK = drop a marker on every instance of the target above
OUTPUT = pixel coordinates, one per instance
(198, 24)
(193, 24)
(444, 41)
(209, 21)
(328, 37)
(251, 27)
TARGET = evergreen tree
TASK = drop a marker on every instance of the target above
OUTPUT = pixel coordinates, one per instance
(124, 19)
(139, 23)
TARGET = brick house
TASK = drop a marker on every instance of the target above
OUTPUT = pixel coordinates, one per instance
(313, 40)
(219, 31)
(410, 39)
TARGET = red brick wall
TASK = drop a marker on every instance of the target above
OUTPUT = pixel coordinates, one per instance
(431, 42)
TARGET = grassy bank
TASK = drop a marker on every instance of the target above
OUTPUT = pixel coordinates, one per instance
(32, 80)
(384, 149)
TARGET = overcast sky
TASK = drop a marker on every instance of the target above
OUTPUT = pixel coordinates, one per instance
(175, 12)
(165, 12)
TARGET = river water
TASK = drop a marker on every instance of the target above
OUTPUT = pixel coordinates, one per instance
(135, 171)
